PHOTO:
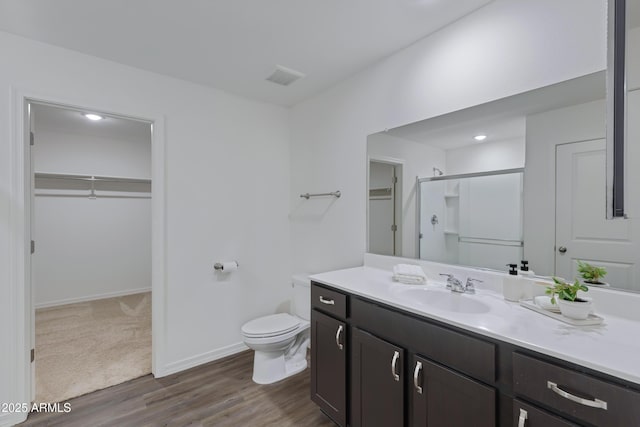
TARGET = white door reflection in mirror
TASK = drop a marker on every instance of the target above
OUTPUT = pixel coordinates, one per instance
(582, 231)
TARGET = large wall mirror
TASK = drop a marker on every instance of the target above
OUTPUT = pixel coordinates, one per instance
(519, 178)
(552, 146)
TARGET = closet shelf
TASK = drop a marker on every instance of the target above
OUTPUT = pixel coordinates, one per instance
(380, 193)
(96, 178)
(451, 195)
(92, 183)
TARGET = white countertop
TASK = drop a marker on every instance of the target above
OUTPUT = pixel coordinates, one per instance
(612, 347)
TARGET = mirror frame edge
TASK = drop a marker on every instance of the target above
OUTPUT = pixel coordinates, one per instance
(616, 100)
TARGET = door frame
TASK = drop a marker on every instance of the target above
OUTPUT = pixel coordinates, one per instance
(20, 292)
(398, 194)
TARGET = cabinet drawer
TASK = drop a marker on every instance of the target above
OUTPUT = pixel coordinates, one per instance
(534, 417)
(329, 301)
(574, 393)
(461, 352)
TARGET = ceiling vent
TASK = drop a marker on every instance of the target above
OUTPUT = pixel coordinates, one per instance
(284, 76)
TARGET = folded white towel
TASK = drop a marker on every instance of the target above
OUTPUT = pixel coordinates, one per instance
(409, 274)
(408, 270)
(409, 280)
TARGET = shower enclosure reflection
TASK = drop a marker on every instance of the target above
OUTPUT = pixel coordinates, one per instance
(472, 219)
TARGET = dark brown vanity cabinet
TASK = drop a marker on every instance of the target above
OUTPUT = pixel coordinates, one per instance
(375, 365)
(378, 378)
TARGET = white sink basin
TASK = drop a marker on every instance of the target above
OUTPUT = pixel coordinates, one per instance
(445, 300)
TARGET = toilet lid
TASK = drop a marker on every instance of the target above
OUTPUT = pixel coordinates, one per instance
(274, 324)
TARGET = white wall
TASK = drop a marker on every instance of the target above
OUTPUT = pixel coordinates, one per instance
(78, 153)
(89, 249)
(227, 180)
(418, 161)
(505, 48)
(486, 156)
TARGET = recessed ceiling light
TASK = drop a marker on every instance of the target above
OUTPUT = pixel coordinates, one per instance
(480, 137)
(92, 116)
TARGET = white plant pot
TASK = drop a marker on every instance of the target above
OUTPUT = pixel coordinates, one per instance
(575, 309)
(603, 284)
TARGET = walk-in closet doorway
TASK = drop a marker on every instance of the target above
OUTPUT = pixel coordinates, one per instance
(91, 249)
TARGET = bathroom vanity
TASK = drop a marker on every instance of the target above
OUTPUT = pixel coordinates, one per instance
(387, 354)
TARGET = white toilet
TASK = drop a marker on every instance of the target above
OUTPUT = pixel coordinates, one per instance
(280, 340)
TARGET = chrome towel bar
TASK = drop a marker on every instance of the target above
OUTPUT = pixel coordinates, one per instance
(334, 194)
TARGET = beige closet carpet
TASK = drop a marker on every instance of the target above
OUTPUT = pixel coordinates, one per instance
(92, 345)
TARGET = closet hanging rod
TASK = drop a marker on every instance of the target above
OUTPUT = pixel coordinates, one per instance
(333, 193)
(42, 175)
(84, 196)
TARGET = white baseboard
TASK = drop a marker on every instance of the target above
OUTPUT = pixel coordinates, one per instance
(200, 359)
(92, 297)
(11, 419)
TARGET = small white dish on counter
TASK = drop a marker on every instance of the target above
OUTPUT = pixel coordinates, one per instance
(544, 301)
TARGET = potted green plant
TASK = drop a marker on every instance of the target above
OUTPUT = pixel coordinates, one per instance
(565, 294)
(591, 274)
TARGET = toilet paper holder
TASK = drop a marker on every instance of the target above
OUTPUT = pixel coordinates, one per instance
(219, 266)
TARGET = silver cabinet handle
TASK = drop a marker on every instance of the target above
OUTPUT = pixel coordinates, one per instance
(523, 417)
(595, 403)
(327, 301)
(416, 376)
(338, 333)
(394, 366)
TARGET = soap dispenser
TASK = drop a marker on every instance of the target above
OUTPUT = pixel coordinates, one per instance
(512, 288)
(524, 268)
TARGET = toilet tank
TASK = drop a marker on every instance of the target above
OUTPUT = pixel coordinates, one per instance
(301, 296)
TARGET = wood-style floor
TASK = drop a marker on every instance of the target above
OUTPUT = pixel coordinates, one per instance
(220, 393)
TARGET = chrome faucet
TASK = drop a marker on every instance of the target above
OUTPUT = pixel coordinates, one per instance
(454, 284)
(468, 287)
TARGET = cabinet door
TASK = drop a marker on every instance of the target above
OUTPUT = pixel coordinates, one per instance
(441, 397)
(377, 397)
(328, 366)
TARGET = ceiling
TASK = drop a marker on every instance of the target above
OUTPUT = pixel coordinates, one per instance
(234, 45)
(503, 119)
(496, 129)
(58, 119)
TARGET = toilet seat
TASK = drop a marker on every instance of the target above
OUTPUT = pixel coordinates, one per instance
(271, 326)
